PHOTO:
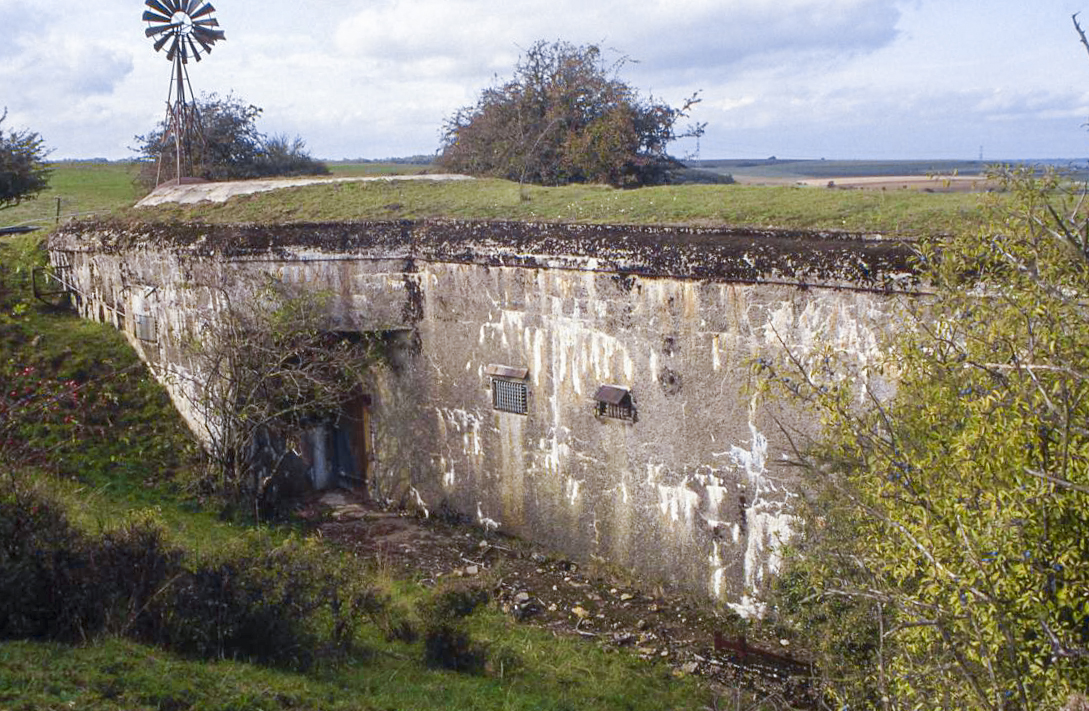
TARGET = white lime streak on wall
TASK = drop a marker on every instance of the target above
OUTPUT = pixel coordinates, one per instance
(678, 502)
(421, 505)
(718, 574)
(508, 320)
(821, 326)
(715, 496)
(449, 475)
(467, 424)
(572, 489)
(768, 520)
(489, 524)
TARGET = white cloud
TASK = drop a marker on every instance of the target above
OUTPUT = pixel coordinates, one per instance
(707, 36)
(377, 77)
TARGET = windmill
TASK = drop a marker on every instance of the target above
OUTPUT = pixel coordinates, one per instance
(185, 29)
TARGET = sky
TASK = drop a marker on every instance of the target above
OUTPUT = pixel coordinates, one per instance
(835, 79)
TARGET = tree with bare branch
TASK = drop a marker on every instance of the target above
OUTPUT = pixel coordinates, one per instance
(266, 370)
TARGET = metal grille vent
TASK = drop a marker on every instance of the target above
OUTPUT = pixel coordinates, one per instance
(509, 396)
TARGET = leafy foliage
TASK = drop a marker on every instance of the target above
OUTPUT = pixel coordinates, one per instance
(229, 147)
(948, 552)
(565, 117)
(23, 171)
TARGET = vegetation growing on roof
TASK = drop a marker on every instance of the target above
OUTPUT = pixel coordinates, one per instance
(781, 207)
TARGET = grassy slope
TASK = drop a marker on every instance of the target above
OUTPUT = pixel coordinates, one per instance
(124, 458)
(112, 674)
(787, 207)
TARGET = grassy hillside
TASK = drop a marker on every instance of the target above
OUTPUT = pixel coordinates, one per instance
(84, 427)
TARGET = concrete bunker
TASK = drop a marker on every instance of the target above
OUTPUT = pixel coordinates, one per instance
(584, 386)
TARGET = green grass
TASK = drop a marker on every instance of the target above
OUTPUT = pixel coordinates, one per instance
(132, 453)
(812, 169)
(83, 187)
(112, 674)
(784, 207)
(102, 187)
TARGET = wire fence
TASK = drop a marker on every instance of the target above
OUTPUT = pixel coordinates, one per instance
(56, 211)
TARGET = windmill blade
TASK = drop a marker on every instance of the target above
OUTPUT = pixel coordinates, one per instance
(173, 51)
(174, 5)
(162, 41)
(164, 9)
(190, 6)
(152, 31)
(150, 16)
(209, 36)
(207, 23)
(206, 10)
(183, 50)
(207, 46)
(193, 48)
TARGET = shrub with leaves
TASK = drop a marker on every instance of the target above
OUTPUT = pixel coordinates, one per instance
(229, 147)
(951, 543)
(23, 170)
(59, 583)
(288, 605)
(566, 117)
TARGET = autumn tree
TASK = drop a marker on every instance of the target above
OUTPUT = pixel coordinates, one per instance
(566, 117)
(23, 171)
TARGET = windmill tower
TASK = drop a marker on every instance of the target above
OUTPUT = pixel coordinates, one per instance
(185, 29)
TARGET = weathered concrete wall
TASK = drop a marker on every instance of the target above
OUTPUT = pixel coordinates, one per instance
(694, 491)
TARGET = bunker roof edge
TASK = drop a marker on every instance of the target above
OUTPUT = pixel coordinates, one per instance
(713, 253)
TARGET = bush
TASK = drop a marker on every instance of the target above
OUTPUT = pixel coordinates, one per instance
(23, 170)
(58, 583)
(230, 147)
(565, 117)
(947, 552)
(447, 645)
(40, 556)
(288, 605)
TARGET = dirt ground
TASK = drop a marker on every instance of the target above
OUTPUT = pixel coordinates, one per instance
(590, 600)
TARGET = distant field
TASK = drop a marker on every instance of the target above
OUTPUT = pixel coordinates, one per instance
(353, 169)
(779, 171)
